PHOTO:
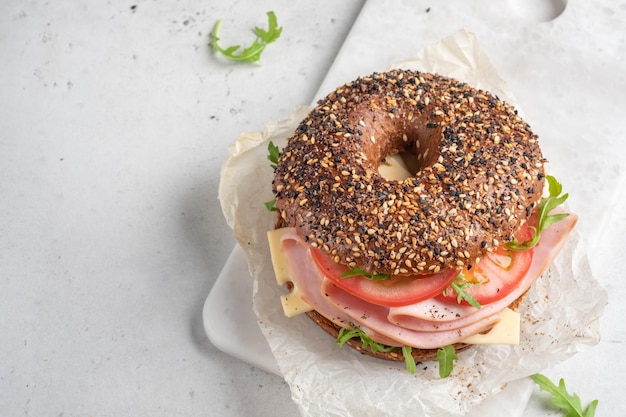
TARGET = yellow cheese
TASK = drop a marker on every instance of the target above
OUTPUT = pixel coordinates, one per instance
(279, 262)
(293, 303)
(505, 332)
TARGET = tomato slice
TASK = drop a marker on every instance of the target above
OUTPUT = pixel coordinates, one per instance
(398, 291)
(496, 275)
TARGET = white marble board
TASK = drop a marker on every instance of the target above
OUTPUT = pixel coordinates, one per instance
(564, 61)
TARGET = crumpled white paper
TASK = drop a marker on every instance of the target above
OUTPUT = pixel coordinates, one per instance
(560, 315)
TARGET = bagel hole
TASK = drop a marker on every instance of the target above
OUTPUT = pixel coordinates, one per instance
(410, 153)
(410, 160)
(399, 166)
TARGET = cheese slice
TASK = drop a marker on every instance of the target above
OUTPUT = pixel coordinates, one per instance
(279, 261)
(505, 332)
(293, 303)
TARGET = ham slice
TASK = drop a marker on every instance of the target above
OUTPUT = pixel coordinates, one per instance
(375, 317)
(436, 315)
(308, 279)
(428, 324)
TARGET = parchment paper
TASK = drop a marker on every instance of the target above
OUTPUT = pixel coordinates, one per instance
(560, 316)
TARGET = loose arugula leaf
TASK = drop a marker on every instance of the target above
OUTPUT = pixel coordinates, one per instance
(355, 272)
(446, 357)
(253, 52)
(459, 286)
(273, 32)
(544, 219)
(273, 154)
(569, 403)
(270, 205)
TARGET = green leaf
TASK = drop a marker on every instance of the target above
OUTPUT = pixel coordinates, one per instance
(347, 334)
(273, 31)
(253, 52)
(270, 205)
(591, 409)
(459, 286)
(273, 154)
(544, 218)
(409, 359)
(358, 272)
(569, 403)
(446, 357)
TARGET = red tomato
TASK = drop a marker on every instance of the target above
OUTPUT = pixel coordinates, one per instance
(397, 291)
(497, 274)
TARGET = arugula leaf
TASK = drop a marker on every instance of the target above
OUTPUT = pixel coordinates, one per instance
(273, 154)
(356, 272)
(270, 205)
(446, 357)
(569, 403)
(409, 359)
(273, 32)
(366, 342)
(347, 334)
(459, 285)
(253, 52)
(544, 219)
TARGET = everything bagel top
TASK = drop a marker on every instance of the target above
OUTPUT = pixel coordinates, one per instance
(480, 174)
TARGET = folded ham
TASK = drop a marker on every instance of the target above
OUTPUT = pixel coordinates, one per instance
(428, 324)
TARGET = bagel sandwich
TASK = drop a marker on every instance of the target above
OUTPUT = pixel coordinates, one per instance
(413, 215)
